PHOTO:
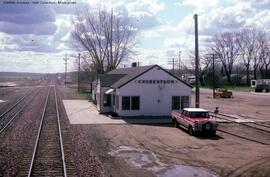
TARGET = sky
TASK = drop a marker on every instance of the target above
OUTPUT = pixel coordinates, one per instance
(35, 36)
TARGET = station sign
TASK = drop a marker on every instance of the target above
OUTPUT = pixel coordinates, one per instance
(146, 81)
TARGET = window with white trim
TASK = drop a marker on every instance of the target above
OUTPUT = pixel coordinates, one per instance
(184, 102)
(130, 102)
(175, 102)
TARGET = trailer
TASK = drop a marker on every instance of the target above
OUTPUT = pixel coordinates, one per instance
(262, 85)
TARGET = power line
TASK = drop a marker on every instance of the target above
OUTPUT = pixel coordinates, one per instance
(172, 62)
(79, 73)
(65, 59)
(213, 56)
(197, 62)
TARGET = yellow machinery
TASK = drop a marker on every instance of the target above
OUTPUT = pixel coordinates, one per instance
(223, 93)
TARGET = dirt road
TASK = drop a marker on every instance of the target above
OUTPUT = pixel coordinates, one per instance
(153, 150)
(246, 104)
(150, 150)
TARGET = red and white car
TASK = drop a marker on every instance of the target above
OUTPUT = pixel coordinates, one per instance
(195, 120)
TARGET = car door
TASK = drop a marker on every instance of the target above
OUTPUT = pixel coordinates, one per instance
(182, 118)
(185, 121)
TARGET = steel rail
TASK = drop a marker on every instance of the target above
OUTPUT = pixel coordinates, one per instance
(39, 131)
(60, 134)
(242, 137)
(14, 116)
(9, 109)
(39, 134)
(242, 123)
(256, 123)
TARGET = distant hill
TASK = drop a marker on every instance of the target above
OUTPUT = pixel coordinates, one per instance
(20, 74)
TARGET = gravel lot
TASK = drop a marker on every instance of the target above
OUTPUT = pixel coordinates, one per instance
(148, 150)
(245, 104)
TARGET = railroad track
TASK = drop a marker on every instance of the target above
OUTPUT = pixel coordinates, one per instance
(258, 126)
(48, 157)
(10, 114)
(252, 124)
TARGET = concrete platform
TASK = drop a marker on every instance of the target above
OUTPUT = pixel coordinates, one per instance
(83, 112)
(8, 84)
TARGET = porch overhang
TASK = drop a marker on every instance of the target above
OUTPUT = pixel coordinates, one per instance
(109, 91)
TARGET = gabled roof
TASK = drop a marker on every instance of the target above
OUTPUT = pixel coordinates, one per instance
(107, 80)
(130, 74)
(119, 77)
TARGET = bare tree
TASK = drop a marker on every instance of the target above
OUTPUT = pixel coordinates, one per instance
(264, 54)
(106, 37)
(205, 64)
(226, 46)
(248, 49)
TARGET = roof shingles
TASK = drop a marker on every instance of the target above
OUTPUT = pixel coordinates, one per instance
(119, 77)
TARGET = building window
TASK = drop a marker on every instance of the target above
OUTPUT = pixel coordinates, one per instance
(130, 103)
(113, 100)
(117, 101)
(184, 102)
(135, 102)
(107, 100)
(125, 103)
(175, 102)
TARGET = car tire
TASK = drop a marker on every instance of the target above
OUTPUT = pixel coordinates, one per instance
(173, 120)
(190, 130)
(176, 123)
(258, 90)
(213, 133)
(206, 125)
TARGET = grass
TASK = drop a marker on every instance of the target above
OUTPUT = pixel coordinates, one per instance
(242, 88)
(15, 78)
(85, 95)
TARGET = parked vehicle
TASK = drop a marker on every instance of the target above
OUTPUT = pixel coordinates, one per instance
(262, 85)
(223, 93)
(195, 120)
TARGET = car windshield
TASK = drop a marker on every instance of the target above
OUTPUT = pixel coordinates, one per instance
(199, 115)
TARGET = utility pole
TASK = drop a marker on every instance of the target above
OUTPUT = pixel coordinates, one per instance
(173, 65)
(65, 59)
(197, 62)
(172, 62)
(79, 73)
(180, 64)
(213, 57)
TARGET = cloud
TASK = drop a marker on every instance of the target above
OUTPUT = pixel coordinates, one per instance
(35, 43)
(151, 6)
(261, 20)
(145, 21)
(26, 14)
(223, 18)
(201, 4)
(45, 28)
(27, 19)
(40, 34)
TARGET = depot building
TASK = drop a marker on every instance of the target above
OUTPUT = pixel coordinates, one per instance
(140, 91)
